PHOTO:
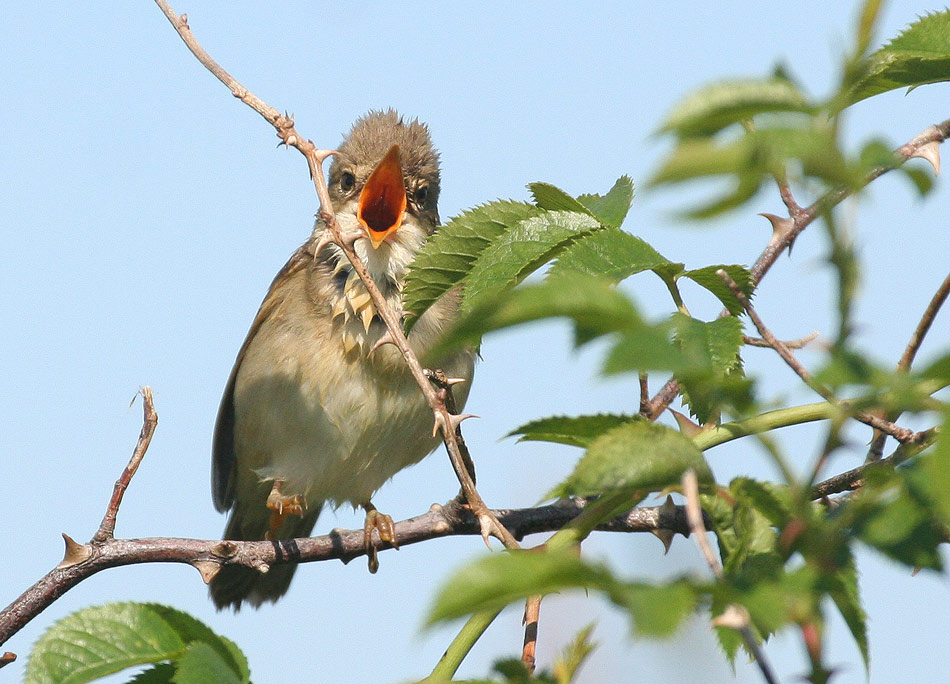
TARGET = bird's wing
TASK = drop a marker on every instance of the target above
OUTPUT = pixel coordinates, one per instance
(223, 471)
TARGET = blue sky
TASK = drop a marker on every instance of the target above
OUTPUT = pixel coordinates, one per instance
(144, 212)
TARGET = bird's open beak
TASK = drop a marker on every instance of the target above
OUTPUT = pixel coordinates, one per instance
(383, 199)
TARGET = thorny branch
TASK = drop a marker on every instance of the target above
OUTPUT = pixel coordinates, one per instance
(902, 435)
(786, 230)
(445, 421)
(103, 551)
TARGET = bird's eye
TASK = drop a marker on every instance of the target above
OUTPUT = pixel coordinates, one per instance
(347, 181)
(420, 195)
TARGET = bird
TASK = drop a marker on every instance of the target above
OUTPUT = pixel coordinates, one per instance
(315, 413)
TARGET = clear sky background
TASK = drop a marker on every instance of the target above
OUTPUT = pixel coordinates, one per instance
(144, 211)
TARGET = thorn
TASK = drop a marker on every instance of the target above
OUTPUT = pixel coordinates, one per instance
(931, 152)
(780, 226)
(347, 240)
(262, 568)
(455, 381)
(291, 140)
(387, 338)
(208, 570)
(665, 536)
(485, 525)
(325, 239)
(457, 419)
(686, 426)
(322, 155)
(76, 553)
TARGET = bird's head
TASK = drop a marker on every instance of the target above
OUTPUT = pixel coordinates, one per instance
(385, 183)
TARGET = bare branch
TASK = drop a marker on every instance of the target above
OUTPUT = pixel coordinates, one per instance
(532, 613)
(800, 343)
(926, 320)
(149, 423)
(902, 435)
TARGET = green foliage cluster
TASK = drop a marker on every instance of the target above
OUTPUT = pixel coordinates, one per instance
(787, 558)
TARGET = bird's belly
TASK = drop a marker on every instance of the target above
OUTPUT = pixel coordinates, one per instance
(329, 431)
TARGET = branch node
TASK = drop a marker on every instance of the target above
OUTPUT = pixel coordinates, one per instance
(76, 553)
(225, 549)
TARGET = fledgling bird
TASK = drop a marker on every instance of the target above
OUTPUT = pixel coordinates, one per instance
(312, 414)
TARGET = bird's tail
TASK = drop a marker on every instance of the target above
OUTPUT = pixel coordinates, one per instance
(235, 584)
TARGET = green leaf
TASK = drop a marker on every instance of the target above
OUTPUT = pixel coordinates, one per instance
(201, 664)
(931, 475)
(449, 254)
(657, 610)
(595, 307)
(101, 640)
(845, 593)
(638, 456)
(573, 430)
(712, 376)
(714, 107)
(611, 209)
(522, 250)
(492, 582)
(573, 656)
(918, 56)
(552, 198)
(612, 254)
(157, 674)
(707, 278)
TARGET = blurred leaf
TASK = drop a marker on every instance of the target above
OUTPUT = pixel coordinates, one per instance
(657, 610)
(713, 107)
(894, 514)
(573, 656)
(101, 640)
(918, 56)
(492, 582)
(870, 13)
(845, 593)
(573, 430)
(520, 251)
(638, 456)
(753, 158)
(595, 307)
(642, 349)
(931, 474)
(448, 256)
(706, 277)
(612, 254)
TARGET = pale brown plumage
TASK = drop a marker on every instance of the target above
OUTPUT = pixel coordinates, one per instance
(306, 402)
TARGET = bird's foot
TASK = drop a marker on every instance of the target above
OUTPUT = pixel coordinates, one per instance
(383, 524)
(281, 506)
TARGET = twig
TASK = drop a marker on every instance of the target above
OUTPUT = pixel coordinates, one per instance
(800, 343)
(902, 435)
(532, 613)
(284, 125)
(7, 658)
(853, 479)
(149, 423)
(926, 320)
(644, 396)
(735, 616)
(800, 220)
(876, 450)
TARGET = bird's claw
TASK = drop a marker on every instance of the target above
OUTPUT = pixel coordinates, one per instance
(384, 526)
(280, 507)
